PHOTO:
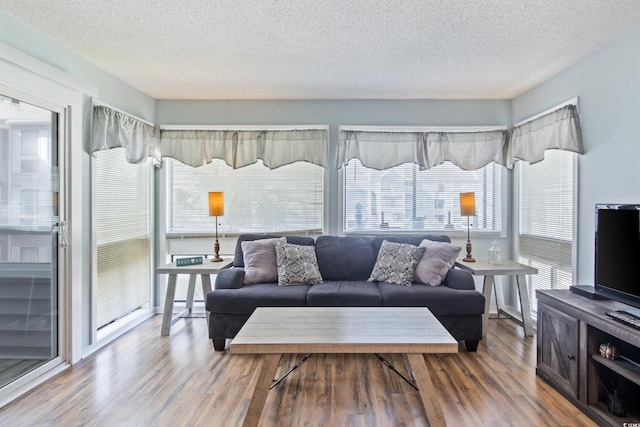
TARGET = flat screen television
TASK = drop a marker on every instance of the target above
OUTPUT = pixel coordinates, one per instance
(617, 253)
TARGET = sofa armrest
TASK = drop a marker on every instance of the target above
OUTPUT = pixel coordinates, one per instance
(230, 278)
(459, 279)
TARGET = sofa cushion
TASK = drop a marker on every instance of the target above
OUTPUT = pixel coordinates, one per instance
(238, 259)
(297, 264)
(437, 259)
(345, 258)
(441, 300)
(245, 299)
(260, 260)
(396, 263)
(414, 240)
(352, 293)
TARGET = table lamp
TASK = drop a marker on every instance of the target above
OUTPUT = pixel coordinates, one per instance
(216, 208)
(468, 209)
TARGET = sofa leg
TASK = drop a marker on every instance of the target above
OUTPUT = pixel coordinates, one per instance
(471, 345)
(218, 344)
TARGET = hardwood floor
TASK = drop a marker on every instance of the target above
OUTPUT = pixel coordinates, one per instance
(143, 379)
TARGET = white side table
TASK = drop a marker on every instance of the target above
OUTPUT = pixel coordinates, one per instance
(505, 268)
(204, 270)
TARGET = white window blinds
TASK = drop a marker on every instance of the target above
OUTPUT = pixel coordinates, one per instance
(545, 232)
(122, 235)
(256, 199)
(407, 198)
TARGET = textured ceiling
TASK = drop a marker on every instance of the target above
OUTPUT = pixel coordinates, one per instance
(331, 49)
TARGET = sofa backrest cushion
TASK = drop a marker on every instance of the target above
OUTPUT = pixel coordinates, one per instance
(345, 257)
(410, 239)
(238, 258)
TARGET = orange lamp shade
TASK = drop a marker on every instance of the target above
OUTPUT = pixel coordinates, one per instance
(468, 204)
(216, 203)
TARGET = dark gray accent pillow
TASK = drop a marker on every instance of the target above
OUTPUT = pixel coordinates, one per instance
(297, 265)
(396, 263)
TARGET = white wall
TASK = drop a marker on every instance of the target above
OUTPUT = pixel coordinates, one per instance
(608, 86)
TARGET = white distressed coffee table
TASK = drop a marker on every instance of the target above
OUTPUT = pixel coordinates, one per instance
(412, 331)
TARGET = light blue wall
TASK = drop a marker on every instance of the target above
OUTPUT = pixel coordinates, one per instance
(107, 89)
(608, 86)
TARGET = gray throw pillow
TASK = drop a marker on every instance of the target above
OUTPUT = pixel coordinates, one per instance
(437, 260)
(260, 260)
(297, 264)
(396, 263)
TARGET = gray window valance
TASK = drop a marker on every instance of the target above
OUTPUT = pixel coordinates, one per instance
(559, 129)
(112, 129)
(240, 148)
(383, 150)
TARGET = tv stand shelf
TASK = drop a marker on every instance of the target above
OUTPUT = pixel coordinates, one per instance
(571, 329)
(628, 370)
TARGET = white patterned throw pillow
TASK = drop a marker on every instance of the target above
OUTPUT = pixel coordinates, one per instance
(396, 263)
(297, 264)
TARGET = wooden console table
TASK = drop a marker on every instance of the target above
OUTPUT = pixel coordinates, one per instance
(204, 270)
(505, 268)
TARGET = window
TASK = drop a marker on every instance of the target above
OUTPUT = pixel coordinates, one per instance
(122, 235)
(256, 199)
(545, 232)
(405, 198)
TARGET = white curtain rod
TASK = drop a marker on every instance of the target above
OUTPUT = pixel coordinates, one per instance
(573, 101)
(97, 102)
(421, 128)
(245, 127)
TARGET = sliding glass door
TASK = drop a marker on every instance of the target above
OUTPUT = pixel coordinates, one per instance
(30, 237)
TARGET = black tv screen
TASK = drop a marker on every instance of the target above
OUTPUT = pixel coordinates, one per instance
(617, 252)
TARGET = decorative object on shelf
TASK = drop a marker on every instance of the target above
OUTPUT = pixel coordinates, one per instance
(617, 405)
(609, 351)
(468, 209)
(193, 260)
(216, 208)
(495, 254)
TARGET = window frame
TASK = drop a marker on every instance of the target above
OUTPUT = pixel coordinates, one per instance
(194, 236)
(455, 233)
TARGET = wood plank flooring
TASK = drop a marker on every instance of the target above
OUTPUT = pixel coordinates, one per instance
(143, 379)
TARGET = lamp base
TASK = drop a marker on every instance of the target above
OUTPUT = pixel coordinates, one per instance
(216, 250)
(469, 258)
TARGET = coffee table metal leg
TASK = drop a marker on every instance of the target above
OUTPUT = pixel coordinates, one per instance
(259, 397)
(429, 399)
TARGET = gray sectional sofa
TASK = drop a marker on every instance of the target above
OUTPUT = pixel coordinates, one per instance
(345, 263)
